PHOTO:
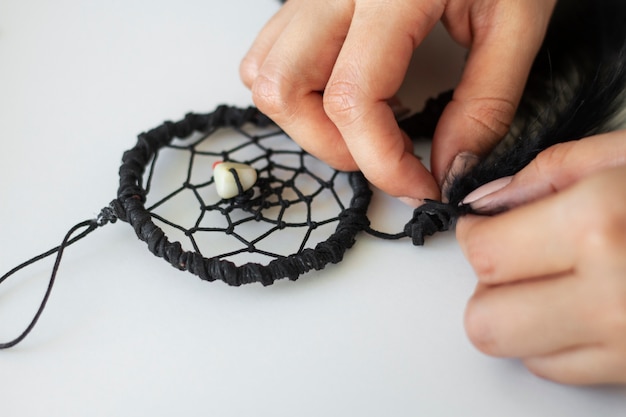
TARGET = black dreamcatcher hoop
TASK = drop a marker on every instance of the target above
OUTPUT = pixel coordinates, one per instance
(268, 201)
(279, 187)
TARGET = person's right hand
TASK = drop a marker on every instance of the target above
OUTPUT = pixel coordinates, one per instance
(323, 70)
(551, 268)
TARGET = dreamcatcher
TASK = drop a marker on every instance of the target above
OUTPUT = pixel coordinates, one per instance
(265, 189)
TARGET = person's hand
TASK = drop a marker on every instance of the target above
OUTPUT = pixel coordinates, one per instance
(324, 70)
(552, 272)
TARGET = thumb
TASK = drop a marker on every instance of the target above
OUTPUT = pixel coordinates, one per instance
(552, 170)
(503, 40)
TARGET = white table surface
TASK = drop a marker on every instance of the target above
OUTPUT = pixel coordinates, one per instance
(126, 335)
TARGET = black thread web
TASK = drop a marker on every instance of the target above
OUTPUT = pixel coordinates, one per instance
(293, 190)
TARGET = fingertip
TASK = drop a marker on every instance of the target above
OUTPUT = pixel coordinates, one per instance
(460, 166)
(410, 181)
(477, 323)
(468, 129)
(248, 70)
(411, 202)
(392, 166)
(413, 192)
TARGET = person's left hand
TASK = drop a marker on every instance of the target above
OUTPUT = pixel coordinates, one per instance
(552, 271)
(324, 70)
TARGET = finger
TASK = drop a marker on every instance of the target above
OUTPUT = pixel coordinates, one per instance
(552, 170)
(535, 240)
(531, 318)
(584, 365)
(254, 58)
(295, 70)
(502, 52)
(368, 71)
(550, 236)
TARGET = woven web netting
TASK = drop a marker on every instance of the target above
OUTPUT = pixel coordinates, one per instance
(294, 205)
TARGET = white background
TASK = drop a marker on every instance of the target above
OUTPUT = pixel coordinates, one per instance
(126, 335)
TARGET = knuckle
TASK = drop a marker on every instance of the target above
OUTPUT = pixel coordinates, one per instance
(270, 94)
(491, 114)
(604, 236)
(342, 102)
(608, 236)
(552, 158)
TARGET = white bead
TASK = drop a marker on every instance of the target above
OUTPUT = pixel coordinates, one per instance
(225, 183)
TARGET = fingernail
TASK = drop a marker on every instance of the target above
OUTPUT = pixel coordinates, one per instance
(484, 196)
(412, 202)
(461, 164)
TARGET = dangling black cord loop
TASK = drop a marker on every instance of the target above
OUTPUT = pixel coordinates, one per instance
(107, 215)
(431, 217)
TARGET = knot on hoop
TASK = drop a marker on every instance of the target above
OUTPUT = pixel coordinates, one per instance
(430, 218)
(110, 213)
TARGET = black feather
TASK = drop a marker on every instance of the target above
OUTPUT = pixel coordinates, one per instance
(576, 89)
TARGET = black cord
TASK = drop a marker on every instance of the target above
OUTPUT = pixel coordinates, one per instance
(105, 217)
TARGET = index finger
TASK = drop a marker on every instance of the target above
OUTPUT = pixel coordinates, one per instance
(369, 70)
